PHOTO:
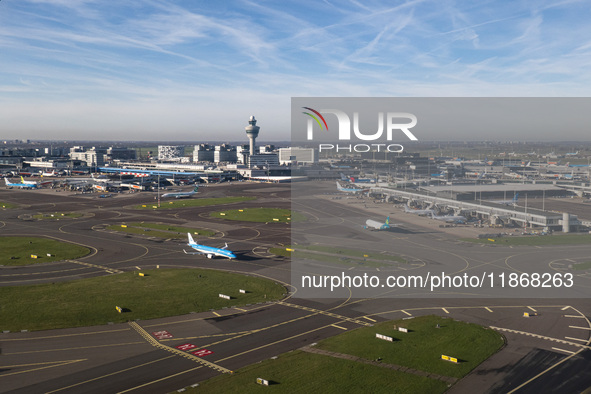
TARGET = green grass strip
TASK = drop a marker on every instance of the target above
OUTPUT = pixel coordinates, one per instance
(58, 215)
(18, 250)
(163, 230)
(422, 347)
(260, 215)
(562, 239)
(165, 292)
(300, 372)
(193, 202)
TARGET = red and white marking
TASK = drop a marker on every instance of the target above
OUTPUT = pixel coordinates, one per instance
(162, 335)
(202, 352)
(185, 347)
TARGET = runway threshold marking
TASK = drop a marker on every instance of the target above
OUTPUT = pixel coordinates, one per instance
(152, 341)
(102, 267)
(562, 350)
(319, 311)
(542, 337)
(576, 339)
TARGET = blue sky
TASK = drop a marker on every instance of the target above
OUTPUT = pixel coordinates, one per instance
(196, 70)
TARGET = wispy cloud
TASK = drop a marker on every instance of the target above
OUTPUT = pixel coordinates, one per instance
(179, 65)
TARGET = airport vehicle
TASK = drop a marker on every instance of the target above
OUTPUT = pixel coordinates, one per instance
(20, 185)
(420, 212)
(449, 218)
(209, 251)
(350, 189)
(181, 194)
(375, 225)
(513, 201)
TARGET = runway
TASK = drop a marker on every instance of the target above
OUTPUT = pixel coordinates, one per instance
(130, 357)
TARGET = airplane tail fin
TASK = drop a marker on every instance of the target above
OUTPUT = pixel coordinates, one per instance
(191, 241)
(516, 197)
(196, 188)
(339, 187)
(388, 220)
(226, 246)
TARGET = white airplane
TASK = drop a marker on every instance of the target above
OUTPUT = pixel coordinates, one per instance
(350, 189)
(418, 211)
(28, 182)
(375, 225)
(209, 251)
(52, 173)
(449, 218)
(181, 194)
(20, 185)
(513, 201)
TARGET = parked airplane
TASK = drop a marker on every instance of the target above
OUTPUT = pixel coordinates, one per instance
(28, 182)
(20, 185)
(449, 218)
(181, 194)
(350, 189)
(418, 211)
(209, 251)
(52, 173)
(513, 201)
(351, 179)
(375, 225)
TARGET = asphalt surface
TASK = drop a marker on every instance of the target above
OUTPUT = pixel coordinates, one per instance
(548, 350)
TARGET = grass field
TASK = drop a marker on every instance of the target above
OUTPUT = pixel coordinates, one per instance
(422, 347)
(18, 250)
(562, 239)
(165, 292)
(7, 205)
(193, 202)
(162, 230)
(58, 215)
(300, 372)
(337, 255)
(260, 215)
(582, 266)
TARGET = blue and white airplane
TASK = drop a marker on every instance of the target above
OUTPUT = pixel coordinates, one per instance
(350, 189)
(181, 194)
(450, 218)
(375, 225)
(507, 202)
(20, 185)
(419, 212)
(209, 251)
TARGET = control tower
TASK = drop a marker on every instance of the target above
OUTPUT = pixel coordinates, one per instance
(252, 131)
